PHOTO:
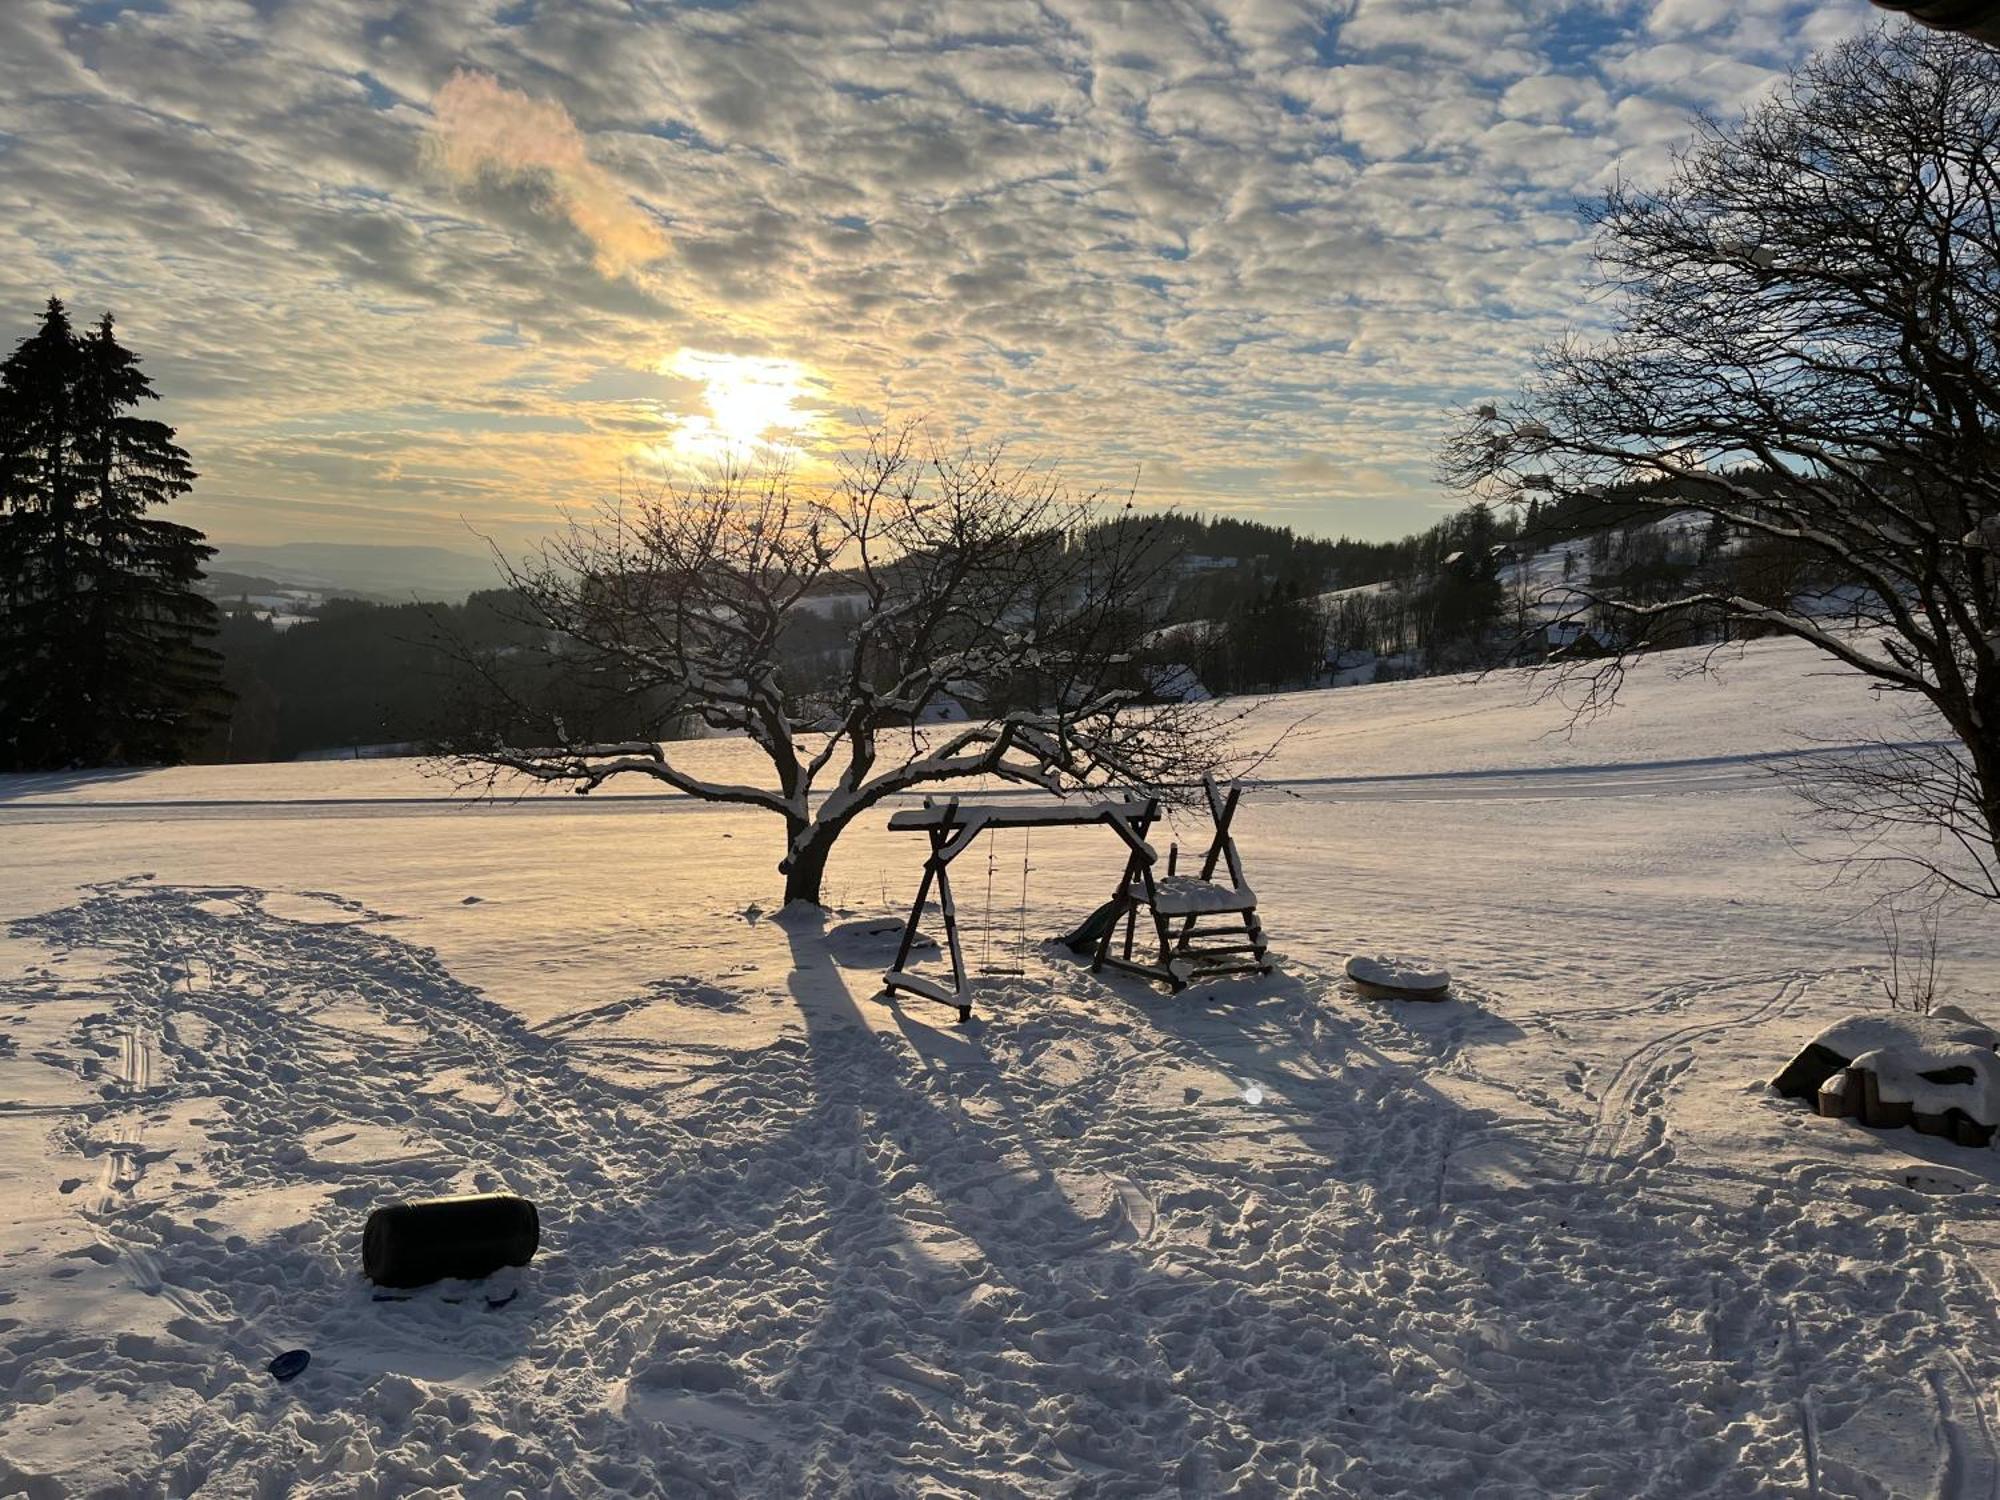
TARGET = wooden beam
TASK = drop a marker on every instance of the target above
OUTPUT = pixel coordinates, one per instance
(1059, 815)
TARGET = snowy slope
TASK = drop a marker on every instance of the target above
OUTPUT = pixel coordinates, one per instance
(1551, 1237)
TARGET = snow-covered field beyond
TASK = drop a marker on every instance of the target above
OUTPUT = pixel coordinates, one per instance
(1551, 1237)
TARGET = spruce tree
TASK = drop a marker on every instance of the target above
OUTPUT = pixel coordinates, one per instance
(101, 630)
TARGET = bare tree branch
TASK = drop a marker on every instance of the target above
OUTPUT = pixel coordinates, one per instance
(830, 625)
(1807, 352)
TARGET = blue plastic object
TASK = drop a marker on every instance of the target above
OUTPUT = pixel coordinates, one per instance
(290, 1363)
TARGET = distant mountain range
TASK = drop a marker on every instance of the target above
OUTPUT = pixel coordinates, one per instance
(390, 574)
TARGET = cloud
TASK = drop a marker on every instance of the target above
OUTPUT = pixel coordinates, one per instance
(481, 129)
(1310, 468)
(1250, 249)
(1549, 97)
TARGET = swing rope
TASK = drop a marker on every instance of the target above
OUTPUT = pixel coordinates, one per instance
(1021, 918)
(1020, 963)
(986, 925)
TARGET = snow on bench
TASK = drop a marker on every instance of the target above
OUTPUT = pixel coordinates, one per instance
(1187, 896)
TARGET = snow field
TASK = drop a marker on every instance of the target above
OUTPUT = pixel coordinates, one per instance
(1547, 1237)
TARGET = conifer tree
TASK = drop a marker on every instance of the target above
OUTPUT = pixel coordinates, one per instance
(101, 630)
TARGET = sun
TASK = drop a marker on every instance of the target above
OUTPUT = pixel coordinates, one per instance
(753, 405)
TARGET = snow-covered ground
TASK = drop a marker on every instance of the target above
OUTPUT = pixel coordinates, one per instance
(1549, 1237)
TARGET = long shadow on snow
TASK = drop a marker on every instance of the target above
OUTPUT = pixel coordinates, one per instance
(1061, 1358)
(27, 785)
(1701, 1297)
(1067, 1354)
(885, 1254)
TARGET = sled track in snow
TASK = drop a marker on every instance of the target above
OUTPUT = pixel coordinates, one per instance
(1059, 1254)
(1631, 1132)
(1631, 1136)
(273, 1076)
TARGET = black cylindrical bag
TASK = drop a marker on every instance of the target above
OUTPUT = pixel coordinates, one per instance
(412, 1244)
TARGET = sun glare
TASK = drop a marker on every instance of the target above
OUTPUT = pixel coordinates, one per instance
(753, 405)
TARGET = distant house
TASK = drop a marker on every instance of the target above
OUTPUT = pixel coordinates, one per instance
(1202, 562)
(829, 598)
(1563, 637)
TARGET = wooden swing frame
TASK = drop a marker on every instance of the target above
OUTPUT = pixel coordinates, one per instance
(1188, 951)
(953, 827)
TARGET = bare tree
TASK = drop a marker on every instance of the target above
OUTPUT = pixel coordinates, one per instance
(1807, 351)
(950, 577)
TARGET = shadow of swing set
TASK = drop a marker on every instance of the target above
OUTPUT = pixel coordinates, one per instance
(1196, 927)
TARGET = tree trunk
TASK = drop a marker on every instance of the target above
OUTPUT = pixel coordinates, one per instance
(805, 867)
(1986, 787)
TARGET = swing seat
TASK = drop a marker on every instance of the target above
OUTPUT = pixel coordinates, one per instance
(952, 827)
(1187, 896)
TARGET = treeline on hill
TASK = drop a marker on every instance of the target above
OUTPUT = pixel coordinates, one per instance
(1253, 608)
(1485, 588)
(360, 675)
(363, 676)
(1427, 602)
(1251, 611)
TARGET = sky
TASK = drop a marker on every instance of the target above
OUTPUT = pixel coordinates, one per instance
(416, 272)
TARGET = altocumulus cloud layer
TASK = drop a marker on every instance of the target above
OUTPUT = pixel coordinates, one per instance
(397, 263)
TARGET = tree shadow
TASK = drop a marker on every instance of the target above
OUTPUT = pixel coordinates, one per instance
(891, 1253)
(28, 786)
(1017, 1285)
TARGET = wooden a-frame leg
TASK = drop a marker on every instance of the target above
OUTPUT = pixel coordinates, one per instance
(1138, 872)
(1110, 934)
(1162, 925)
(1256, 931)
(958, 979)
(916, 918)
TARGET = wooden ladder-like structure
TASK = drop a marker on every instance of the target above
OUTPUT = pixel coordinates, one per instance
(1204, 928)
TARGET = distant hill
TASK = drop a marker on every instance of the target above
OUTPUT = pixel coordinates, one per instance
(393, 574)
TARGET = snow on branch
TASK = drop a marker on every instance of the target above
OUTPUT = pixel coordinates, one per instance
(842, 628)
